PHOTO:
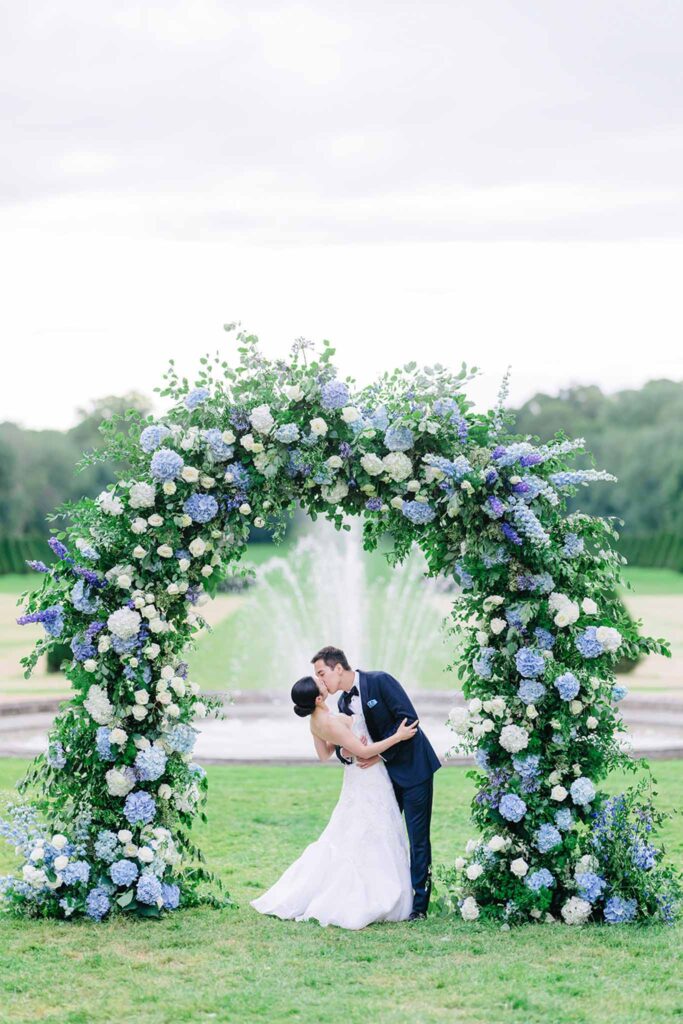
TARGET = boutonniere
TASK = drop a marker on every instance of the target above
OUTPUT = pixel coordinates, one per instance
(371, 703)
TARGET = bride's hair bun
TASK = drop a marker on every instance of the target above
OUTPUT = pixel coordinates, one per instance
(305, 692)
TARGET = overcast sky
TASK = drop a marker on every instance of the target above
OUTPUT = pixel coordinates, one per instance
(482, 181)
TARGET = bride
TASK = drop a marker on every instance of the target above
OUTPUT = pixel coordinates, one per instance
(358, 871)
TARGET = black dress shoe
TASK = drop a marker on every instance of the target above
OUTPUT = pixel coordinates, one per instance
(417, 915)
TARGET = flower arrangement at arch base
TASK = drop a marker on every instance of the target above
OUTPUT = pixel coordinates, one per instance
(105, 828)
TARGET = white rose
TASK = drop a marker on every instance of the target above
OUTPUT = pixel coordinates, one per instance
(481, 637)
(609, 637)
(172, 588)
(119, 783)
(164, 791)
(59, 841)
(118, 736)
(197, 547)
(294, 392)
(261, 419)
(413, 485)
(141, 697)
(146, 854)
(396, 502)
(473, 871)
(592, 722)
(336, 492)
(207, 481)
(61, 862)
(245, 509)
(130, 850)
(155, 519)
(173, 710)
(190, 474)
(139, 712)
(318, 426)
(519, 867)
(475, 705)
(350, 414)
(206, 570)
(165, 551)
(576, 707)
(554, 777)
(558, 793)
(460, 863)
(372, 464)
(141, 495)
(124, 581)
(139, 551)
(497, 626)
(334, 462)
(589, 606)
(496, 843)
(124, 835)
(228, 437)
(488, 725)
(576, 911)
(531, 712)
(169, 487)
(469, 911)
(492, 601)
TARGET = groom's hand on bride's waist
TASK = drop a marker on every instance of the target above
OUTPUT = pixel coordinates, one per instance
(367, 762)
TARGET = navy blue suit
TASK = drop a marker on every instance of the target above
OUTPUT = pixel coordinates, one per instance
(411, 766)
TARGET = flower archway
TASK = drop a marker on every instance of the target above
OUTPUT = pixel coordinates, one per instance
(538, 621)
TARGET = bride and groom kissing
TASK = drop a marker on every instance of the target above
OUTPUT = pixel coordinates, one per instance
(363, 867)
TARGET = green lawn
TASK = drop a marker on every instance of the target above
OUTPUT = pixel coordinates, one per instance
(235, 965)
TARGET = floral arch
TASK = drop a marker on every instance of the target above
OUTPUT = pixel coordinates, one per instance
(539, 625)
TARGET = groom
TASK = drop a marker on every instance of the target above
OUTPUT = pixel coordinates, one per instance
(411, 764)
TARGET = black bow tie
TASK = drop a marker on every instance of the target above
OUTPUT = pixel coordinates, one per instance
(353, 692)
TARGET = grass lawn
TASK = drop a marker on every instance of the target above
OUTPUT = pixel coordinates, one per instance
(236, 965)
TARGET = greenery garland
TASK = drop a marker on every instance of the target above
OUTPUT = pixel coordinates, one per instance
(538, 623)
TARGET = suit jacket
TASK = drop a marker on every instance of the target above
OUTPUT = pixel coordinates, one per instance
(385, 704)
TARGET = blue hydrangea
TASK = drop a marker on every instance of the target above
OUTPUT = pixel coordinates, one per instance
(481, 758)
(619, 910)
(379, 418)
(398, 438)
(544, 638)
(104, 751)
(455, 469)
(287, 433)
(76, 871)
(582, 791)
(97, 903)
(418, 512)
(123, 872)
(564, 819)
(139, 807)
(529, 662)
(170, 895)
(166, 465)
(541, 879)
(220, 450)
(567, 685)
(482, 663)
(373, 504)
(531, 691)
(56, 757)
(547, 838)
(334, 395)
(512, 807)
(148, 889)
(201, 508)
(84, 599)
(573, 545)
(150, 764)
(618, 692)
(527, 766)
(237, 476)
(196, 397)
(123, 646)
(466, 578)
(196, 769)
(106, 845)
(181, 738)
(587, 644)
(590, 886)
(153, 436)
(81, 649)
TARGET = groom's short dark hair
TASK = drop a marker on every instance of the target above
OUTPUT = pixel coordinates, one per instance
(331, 656)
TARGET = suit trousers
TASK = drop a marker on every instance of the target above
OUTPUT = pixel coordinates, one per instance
(416, 804)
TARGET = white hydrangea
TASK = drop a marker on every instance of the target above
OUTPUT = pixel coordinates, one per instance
(251, 444)
(372, 464)
(576, 910)
(294, 393)
(110, 504)
(98, 705)
(334, 493)
(473, 871)
(497, 626)
(469, 910)
(398, 466)
(458, 720)
(120, 782)
(138, 525)
(588, 606)
(513, 738)
(142, 495)
(124, 623)
(609, 637)
(586, 864)
(261, 419)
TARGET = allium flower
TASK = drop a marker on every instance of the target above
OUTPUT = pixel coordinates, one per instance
(166, 464)
(97, 903)
(582, 791)
(334, 395)
(619, 910)
(153, 436)
(201, 508)
(567, 685)
(150, 764)
(195, 398)
(123, 872)
(530, 691)
(139, 807)
(398, 438)
(541, 879)
(418, 512)
(287, 433)
(529, 662)
(124, 623)
(148, 889)
(512, 807)
(398, 466)
(547, 838)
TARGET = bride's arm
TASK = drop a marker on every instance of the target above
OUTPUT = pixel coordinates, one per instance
(339, 733)
(323, 749)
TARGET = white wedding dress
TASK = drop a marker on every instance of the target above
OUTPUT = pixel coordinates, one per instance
(358, 871)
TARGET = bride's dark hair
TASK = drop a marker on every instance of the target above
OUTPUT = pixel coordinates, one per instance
(304, 694)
